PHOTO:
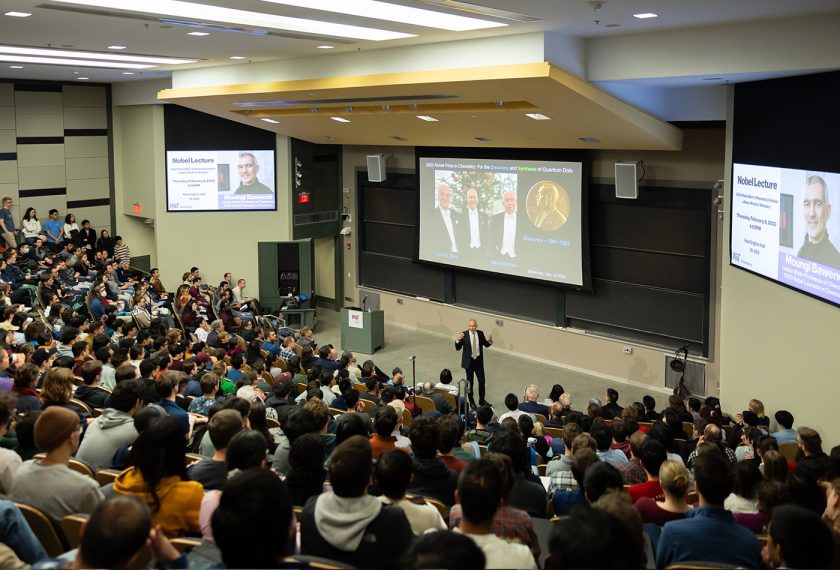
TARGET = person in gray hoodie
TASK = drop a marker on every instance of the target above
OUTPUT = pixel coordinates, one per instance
(115, 427)
(349, 525)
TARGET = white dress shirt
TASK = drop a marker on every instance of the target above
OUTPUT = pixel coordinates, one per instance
(475, 237)
(509, 236)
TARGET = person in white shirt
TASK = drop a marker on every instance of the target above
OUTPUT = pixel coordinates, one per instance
(480, 494)
(512, 404)
(202, 330)
(473, 226)
(393, 471)
(503, 226)
(446, 382)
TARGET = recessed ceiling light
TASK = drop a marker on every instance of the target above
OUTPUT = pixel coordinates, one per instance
(237, 57)
(198, 34)
(325, 47)
(128, 73)
(427, 118)
(340, 119)
(15, 67)
(260, 20)
(6, 49)
(645, 15)
(82, 78)
(116, 47)
(395, 13)
(538, 116)
(272, 121)
(18, 14)
(588, 140)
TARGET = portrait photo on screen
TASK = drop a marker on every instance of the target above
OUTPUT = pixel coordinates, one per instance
(785, 226)
(220, 180)
(518, 218)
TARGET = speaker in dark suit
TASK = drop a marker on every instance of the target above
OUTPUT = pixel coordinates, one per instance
(472, 343)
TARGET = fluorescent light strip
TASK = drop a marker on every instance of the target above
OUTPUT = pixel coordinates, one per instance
(427, 118)
(394, 13)
(538, 116)
(94, 55)
(179, 9)
(340, 119)
(116, 47)
(198, 34)
(645, 15)
(18, 14)
(272, 121)
(71, 62)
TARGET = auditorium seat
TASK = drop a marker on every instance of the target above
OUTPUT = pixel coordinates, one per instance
(425, 404)
(71, 526)
(789, 450)
(48, 533)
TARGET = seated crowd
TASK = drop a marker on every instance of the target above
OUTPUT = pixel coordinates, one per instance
(233, 429)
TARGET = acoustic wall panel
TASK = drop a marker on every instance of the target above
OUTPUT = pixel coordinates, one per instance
(7, 118)
(85, 118)
(86, 147)
(91, 97)
(46, 125)
(31, 155)
(41, 177)
(90, 189)
(87, 168)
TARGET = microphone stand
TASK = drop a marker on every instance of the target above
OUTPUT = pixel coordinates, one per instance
(413, 360)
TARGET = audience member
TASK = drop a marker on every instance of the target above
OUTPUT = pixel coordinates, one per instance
(797, 538)
(652, 456)
(443, 549)
(814, 462)
(393, 472)
(480, 494)
(709, 533)
(786, 433)
(114, 428)
(49, 484)
(212, 473)
(159, 478)
(10, 461)
(590, 538)
(674, 480)
(531, 404)
(603, 440)
(347, 524)
(306, 474)
(432, 478)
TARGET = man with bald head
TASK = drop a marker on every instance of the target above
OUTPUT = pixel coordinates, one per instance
(472, 343)
(712, 434)
(443, 228)
(503, 230)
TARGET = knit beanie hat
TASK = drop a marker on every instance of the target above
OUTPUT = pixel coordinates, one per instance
(54, 426)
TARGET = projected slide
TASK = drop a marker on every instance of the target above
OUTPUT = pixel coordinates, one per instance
(220, 180)
(785, 227)
(514, 217)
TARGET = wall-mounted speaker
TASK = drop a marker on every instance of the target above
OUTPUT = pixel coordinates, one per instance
(626, 180)
(376, 168)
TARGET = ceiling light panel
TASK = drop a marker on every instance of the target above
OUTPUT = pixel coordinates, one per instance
(538, 116)
(645, 15)
(71, 62)
(180, 9)
(427, 118)
(93, 55)
(394, 13)
(340, 119)
(18, 14)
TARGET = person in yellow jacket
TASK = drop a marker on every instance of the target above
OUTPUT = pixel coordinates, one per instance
(159, 478)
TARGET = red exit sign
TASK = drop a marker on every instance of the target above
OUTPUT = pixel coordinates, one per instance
(303, 198)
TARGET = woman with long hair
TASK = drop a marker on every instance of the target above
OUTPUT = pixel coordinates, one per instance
(26, 378)
(72, 233)
(30, 226)
(158, 477)
(307, 474)
(105, 242)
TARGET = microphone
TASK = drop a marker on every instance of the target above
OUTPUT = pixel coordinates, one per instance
(364, 301)
(411, 358)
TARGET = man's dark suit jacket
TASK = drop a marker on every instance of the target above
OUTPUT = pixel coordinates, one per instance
(534, 408)
(466, 344)
(497, 233)
(438, 238)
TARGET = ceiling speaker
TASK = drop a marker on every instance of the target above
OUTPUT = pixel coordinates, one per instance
(376, 168)
(626, 180)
